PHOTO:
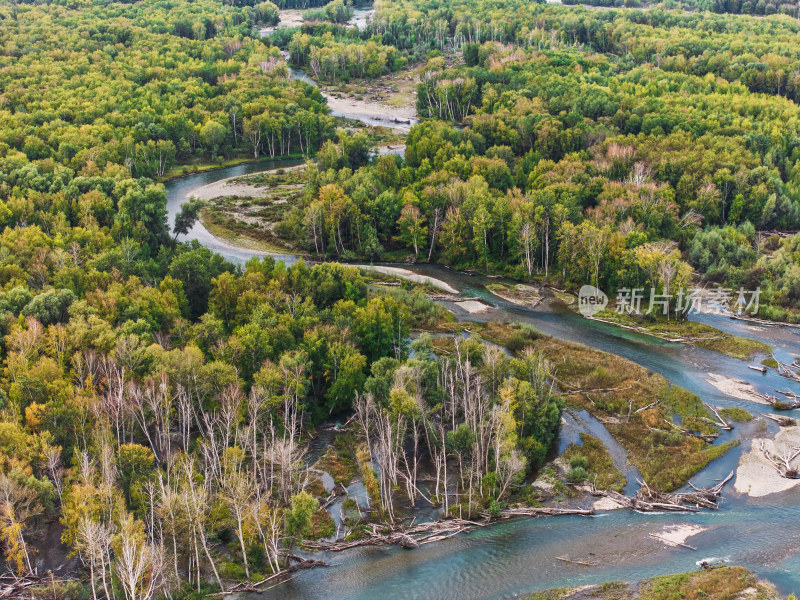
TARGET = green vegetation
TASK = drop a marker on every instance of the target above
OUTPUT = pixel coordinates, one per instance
(688, 332)
(618, 148)
(736, 414)
(593, 456)
(614, 389)
(719, 583)
(155, 399)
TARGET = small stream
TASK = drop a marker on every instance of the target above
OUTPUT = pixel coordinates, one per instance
(509, 559)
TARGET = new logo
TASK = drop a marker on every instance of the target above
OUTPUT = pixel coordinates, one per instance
(591, 300)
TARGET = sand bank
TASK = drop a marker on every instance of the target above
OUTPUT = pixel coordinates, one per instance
(411, 276)
(736, 388)
(674, 535)
(755, 476)
(473, 306)
(229, 187)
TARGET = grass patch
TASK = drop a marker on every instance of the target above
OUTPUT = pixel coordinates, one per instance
(340, 460)
(600, 466)
(237, 233)
(722, 583)
(725, 583)
(688, 332)
(736, 414)
(316, 489)
(514, 336)
(770, 362)
(322, 525)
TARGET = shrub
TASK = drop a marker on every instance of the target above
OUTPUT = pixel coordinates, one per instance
(579, 461)
(577, 475)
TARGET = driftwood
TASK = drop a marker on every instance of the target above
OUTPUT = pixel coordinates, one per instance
(338, 490)
(647, 499)
(253, 587)
(721, 423)
(410, 536)
(12, 586)
(526, 511)
(761, 321)
(783, 464)
(788, 372)
(449, 298)
(709, 438)
(760, 369)
(386, 283)
(780, 420)
(585, 563)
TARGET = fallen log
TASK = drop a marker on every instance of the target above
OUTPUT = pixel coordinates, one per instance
(783, 464)
(529, 511)
(647, 499)
(780, 420)
(406, 536)
(787, 371)
(761, 369)
(584, 563)
(722, 424)
(449, 298)
(671, 542)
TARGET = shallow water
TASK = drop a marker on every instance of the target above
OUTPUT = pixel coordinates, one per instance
(510, 559)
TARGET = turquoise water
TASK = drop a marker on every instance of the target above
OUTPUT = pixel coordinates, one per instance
(510, 559)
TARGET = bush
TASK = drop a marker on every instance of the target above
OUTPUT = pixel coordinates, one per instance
(577, 475)
(579, 461)
(495, 508)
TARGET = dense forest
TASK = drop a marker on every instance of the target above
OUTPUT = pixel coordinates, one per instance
(156, 402)
(622, 149)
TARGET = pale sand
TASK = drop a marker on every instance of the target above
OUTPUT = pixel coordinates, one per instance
(288, 18)
(473, 306)
(606, 504)
(736, 388)
(227, 187)
(374, 112)
(530, 302)
(673, 535)
(406, 274)
(755, 476)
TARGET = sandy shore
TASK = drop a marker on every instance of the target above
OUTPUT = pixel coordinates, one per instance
(288, 18)
(736, 388)
(473, 306)
(526, 295)
(375, 113)
(411, 276)
(229, 187)
(606, 504)
(674, 535)
(755, 476)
